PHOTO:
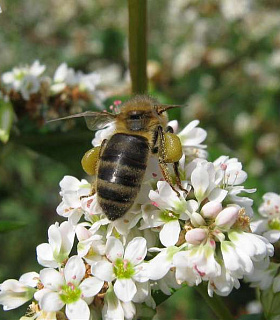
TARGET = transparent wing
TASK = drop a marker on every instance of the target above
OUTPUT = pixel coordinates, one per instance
(94, 120)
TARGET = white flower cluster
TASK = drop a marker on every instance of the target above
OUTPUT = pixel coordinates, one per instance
(27, 80)
(163, 241)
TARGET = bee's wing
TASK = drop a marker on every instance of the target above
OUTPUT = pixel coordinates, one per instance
(94, 120)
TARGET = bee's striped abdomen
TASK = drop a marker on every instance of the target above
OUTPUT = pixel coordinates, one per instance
(121, 170)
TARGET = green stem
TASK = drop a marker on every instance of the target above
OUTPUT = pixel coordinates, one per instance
(137, 39)
(215, 303)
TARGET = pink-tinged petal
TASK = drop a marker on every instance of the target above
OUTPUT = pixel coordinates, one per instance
(196, 236)
(114, 249)
(170, 232)
(103, 270)
(74, 270)
(51, 302)
(91, 286)
(30, 279)
(211, 209)
(45, 256)
(227, 217)
(51, 279)
(78, 310)
(136, 250)
(125, 289)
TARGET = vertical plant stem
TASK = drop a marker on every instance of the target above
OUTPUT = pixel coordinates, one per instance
(137, 38)
(215, 303)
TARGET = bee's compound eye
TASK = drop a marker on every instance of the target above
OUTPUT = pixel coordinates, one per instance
(89, 161)
(173, 148)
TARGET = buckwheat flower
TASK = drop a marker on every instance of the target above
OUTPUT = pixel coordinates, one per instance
(222, 284)
(63, 76)
(166, 212)
(205, 181)
(269, 224)
(90, 247)
(14, 293)
(87, 82)
(124, 266)
(70, 288)
(61, 239)
(72, 190)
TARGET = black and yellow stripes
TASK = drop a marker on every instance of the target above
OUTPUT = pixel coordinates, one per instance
(121, 170)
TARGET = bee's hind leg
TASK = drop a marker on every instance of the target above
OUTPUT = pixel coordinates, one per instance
(177, 177)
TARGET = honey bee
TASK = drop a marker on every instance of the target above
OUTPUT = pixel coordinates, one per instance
(120, 162)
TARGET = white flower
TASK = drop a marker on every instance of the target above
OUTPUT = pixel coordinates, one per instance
(25, 80)
(102, 134)
(68, 288)
(14, 293)
(166, 211)
(205, 181)
(124, 266)
(71, 192)
(61, 239)
(269, 225)
(264, 275)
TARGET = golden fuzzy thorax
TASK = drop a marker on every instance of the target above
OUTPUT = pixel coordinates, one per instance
(146, 105)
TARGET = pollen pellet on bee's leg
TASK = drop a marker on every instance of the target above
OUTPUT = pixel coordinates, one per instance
(89, 160)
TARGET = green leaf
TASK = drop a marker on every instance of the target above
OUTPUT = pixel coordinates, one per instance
(159, 297)
(6, 226)
(6, 120)
(271, 304)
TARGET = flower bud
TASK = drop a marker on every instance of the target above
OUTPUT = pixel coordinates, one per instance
(211, 209)
(227, 217)
(196, 236)
(197, 220)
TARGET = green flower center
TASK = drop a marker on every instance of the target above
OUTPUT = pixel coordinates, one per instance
(167, 215)
(274, 224)
(70, 293)
(123, 269)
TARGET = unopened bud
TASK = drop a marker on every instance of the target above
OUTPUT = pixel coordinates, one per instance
(227, 217)
(197, 220)
(211, 209)
(196, 236)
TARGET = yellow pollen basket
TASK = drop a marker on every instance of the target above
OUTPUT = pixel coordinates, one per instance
(172, 148)
(89, 161)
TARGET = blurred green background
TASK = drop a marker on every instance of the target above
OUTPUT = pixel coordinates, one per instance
(220, 59)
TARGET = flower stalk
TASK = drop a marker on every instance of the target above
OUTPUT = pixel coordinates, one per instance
(215, 303)
(137, 38)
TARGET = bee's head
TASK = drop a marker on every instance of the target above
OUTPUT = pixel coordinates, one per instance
(142, 112)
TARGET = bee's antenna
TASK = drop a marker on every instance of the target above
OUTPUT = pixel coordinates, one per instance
(164, 107)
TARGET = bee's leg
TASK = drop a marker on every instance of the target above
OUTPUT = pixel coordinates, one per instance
(162, 163)
(177, 176)
(169, 129)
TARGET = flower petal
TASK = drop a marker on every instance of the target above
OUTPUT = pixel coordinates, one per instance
(103, 270)
(125, 289)
(136, 250)
(74, 270)
(91, 286)
(114, 249)
(51, 302)
(170, 232)
(77, 310)
(51, 279)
